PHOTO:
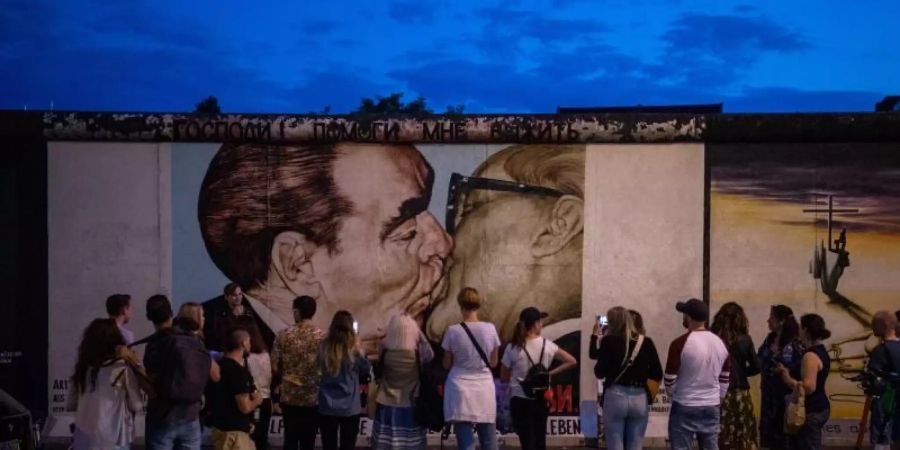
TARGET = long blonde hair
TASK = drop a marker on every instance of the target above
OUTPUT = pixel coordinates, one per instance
(621, 323)
(340, 342)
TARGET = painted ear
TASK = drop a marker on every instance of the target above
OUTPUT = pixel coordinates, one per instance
(565, 222)
(291, 253)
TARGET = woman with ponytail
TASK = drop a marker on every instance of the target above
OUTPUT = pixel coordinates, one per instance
(781, 346)
(625, 361)
(809, 379)
(527, 351)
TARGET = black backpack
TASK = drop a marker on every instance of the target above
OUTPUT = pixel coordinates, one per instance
(184, 368)
(537, 379)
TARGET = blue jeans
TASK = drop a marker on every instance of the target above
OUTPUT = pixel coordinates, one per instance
(810, 435)
(172, 436)
(685, 422)
(625, 411)
(465, 435)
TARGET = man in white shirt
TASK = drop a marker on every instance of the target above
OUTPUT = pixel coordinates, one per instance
(696, 378)
(118, 306)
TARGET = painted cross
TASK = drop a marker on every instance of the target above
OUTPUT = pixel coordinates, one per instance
(831, 211)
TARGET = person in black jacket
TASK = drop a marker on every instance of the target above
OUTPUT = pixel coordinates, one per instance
(625, 361)
(738, 424)
(225, 312)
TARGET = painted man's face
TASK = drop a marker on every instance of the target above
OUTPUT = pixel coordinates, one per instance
(391, 250)
(493, 253)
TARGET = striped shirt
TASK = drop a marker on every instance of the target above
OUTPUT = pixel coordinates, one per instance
(697, 369)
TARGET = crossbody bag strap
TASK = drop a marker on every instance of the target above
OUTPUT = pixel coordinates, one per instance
(630, 360)
(477, 347)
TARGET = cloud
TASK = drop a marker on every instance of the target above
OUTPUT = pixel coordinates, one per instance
(412, 11)
(319, 27)
(506, 25)
(136, 64)
(133, 57)
(781, 99)
(715, 50)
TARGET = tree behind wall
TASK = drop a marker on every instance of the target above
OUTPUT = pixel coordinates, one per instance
(393, 105)
(209, 106)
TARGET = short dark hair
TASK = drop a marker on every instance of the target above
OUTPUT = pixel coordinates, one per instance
(159, 309)
(814, 325)
(235, 337)
(230, 288)
(116, 304)
(306, 306)
(257, 343)
(253, 192)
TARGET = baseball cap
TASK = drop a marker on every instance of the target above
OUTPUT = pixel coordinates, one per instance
(530, 315)
(695, 309)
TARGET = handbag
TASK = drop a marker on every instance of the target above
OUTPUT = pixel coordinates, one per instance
(374, 385)
(429, 404)
(371, 404)
(652, 389)
(795, 414)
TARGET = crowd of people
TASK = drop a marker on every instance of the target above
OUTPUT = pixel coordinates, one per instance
(223, 375)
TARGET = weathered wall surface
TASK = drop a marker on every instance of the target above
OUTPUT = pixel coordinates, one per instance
(570, 214)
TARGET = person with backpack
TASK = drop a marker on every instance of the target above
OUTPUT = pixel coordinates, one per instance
(884, 370)
(526, 366)
(469, 396)
(401, 355)
(342, 365)
(626, 360)
(179, 367)
(104, 390)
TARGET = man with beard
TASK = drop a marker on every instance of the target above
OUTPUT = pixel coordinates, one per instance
(346, 224)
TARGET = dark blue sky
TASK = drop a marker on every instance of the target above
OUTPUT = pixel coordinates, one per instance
(512, 56)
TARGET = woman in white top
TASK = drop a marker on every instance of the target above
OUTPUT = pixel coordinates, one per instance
(260, 367)
(469, 401)
(104, 390)
(528, 404)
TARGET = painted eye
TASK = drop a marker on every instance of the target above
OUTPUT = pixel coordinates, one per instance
(409, 236)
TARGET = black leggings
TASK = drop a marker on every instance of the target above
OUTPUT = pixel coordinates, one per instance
(529, 417)
(300, 426)
(332, 426)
